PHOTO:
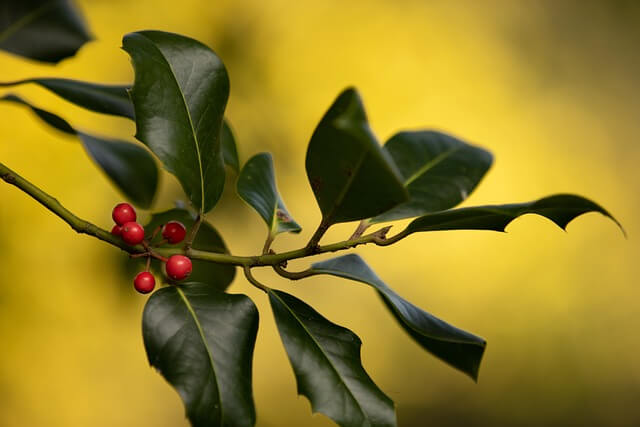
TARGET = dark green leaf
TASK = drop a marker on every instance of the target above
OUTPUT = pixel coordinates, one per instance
(106, 99)
(44, 30)
(454, 346)
(229, 150)
(351, 177)
(326, 361)
(129, 166)
(179, 96)
(257, 186)
(114, 100)
(201, 340)
(560, 208)
(439, 172)
(207, 239)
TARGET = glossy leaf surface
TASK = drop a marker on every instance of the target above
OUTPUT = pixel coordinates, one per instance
(454, 346)
(114, 100)
(201, 340)
(229, 149)
(326, 361)
(129, 166)
(44, 30)
(351, 177)
(560, 208)
(179, 96)
(207, 239)
(438, 170)
(106, 99)
(257, 186)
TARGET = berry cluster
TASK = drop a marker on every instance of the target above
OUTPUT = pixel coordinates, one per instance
(177, 267)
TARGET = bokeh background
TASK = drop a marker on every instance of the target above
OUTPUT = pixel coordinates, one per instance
(552, 88)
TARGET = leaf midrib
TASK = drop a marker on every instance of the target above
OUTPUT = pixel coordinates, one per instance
(205, 343)
(25, 20)
(188, 112)
(322, 352)
(431, 164)
(347, 187)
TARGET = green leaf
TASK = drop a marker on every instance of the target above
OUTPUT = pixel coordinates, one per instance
(129, 166)
(326, 361)
(207, 239)
(179, 96)
(351, 177)
(106, 99)
(257, 186)
(560, 208)
(44, 30)
(438, 170)
(229, 150)
(201, 340)
(454, 346)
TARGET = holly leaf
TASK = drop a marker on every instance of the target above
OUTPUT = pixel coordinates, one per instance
(201, 341)
(438, 170)
(458, 348)
(105, 99)
(229, 150)
(44, 30)
(559, 208)
(128, 166)
(257, 186)
(351, 177)
(207, 239)
(179, 96)
(326, 361)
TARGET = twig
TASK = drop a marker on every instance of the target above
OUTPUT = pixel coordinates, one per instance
(269, 259)
(253, 280)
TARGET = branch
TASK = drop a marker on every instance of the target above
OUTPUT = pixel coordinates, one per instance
(270, 259)
(79, 225)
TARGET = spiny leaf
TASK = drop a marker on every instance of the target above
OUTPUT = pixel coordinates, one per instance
(438, 170)
(129, 166)
(207, 239)
(44, 30)
(179, 96)
(106, 99)
(257, 186)
(351, 177)
(201, 340)
(326, 361)
(454, 346)
(559, 208)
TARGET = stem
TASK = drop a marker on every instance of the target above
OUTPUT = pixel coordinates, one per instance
(267, 243)
(293, 275)
(270, 259)
(194, 232)
(253, 280)
(79, 225)
(315, 239)
(362, 227)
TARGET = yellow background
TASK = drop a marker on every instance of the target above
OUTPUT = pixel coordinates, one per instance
(551, 88)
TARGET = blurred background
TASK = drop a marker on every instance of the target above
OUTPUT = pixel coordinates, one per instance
(551, 88)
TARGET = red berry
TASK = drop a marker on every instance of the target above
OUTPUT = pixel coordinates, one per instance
(132, 233)
(178, 267)
(123, 213)
(174, 232)
(144, 282)
(116, 230)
